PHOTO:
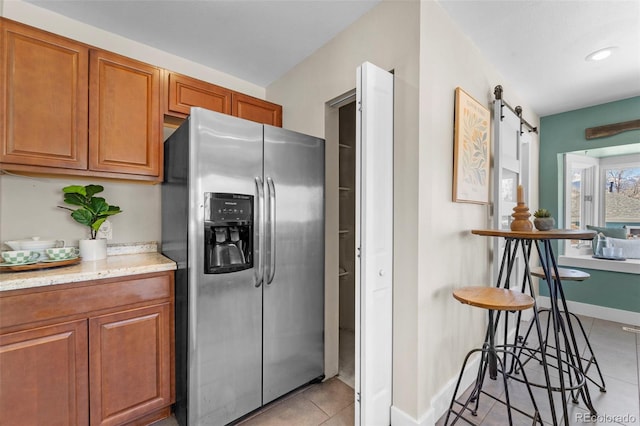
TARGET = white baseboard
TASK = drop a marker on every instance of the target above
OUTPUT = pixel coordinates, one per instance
(440, 402)
(594, 311)
(400, 418)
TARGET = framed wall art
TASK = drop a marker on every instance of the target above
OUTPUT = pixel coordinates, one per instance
(471, 155)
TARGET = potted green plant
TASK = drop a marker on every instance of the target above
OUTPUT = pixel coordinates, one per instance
(92, 211)
(543, 220)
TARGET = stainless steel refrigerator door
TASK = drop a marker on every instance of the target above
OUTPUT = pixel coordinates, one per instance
(293, 327)
(225, 310)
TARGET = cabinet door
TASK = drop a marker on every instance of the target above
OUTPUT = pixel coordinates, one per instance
(44, 376)
(185, 92)
(129, 364)
(254, 109)
(44, 94)
(125, 125)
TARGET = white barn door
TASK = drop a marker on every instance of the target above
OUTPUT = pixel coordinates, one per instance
(511, 168)
(374, 245)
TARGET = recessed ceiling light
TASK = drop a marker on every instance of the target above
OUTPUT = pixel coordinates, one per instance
(600, 54)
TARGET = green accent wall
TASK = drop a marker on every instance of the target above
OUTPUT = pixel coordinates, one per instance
(609, 289)
(565, 132)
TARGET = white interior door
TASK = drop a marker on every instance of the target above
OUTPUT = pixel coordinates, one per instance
(374, 245)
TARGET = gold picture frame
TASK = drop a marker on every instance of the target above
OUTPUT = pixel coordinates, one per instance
(472, 150)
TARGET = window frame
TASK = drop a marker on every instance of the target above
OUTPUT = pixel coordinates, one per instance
(595, 178)
(588, 182)
(618, 162)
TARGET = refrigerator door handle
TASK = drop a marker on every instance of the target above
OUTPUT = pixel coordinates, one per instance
(272, 230)
(258, 233)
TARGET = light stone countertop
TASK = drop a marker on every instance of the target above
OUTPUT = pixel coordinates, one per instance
(113, 266)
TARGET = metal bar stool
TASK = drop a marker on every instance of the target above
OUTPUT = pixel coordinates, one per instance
(589, 358)
(492, 299)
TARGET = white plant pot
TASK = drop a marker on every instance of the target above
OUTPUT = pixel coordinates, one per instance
(93, 249)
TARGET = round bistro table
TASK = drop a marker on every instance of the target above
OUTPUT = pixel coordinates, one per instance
(523, 242)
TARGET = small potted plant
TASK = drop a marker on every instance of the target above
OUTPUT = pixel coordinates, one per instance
(543, 220)
(92, 212)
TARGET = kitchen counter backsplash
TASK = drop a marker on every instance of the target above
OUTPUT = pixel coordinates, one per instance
(132, 248)
(122, 260)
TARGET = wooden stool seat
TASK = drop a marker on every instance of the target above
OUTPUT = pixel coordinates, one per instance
(496, 359)
(565, 274)
(497, 299)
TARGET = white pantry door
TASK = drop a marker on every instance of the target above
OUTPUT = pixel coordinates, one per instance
(374, 245)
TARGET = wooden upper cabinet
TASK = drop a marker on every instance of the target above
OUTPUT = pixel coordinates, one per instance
(125, 124)
(182, 93)
(255, 109)
(185, 92)
(44, 93)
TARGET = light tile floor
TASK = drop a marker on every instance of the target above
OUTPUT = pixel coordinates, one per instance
(330, 403)
(618, 354)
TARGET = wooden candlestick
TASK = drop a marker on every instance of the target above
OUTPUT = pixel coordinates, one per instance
(521, 216)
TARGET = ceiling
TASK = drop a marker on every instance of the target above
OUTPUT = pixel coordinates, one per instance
(255, 40)
(539, 47)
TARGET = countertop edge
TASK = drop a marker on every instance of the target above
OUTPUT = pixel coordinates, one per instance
(112, 267)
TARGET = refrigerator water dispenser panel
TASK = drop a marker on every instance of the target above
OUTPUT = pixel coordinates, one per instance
(228, 232)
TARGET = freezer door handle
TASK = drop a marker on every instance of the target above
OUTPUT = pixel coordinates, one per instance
(271, 271)
(258, 233)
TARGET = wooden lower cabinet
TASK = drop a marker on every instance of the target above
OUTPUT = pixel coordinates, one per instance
(44, 376)
(129, 364)
(90, 353)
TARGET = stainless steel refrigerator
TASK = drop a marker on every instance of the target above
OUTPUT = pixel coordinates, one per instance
(243, 217)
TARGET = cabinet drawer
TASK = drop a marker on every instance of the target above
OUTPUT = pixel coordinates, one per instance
(78, 299)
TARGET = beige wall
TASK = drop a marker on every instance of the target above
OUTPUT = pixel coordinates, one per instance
(28, 207)
(449, 256)
(434, 250)
(388, 37)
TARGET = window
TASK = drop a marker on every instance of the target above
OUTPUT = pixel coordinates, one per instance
(600, 191)
(621, 191)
